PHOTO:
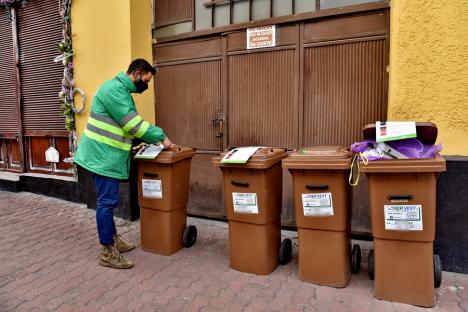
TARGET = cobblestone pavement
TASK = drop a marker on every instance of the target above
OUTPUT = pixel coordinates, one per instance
(48, 262)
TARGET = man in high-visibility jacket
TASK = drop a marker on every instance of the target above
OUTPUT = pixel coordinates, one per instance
(105, 150)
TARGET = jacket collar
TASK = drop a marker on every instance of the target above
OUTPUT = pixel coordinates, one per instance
(122, 77)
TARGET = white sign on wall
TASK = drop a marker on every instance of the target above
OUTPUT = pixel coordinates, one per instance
(52, 155)
(261, 37)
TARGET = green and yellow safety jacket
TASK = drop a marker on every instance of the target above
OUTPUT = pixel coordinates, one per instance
(105, 146)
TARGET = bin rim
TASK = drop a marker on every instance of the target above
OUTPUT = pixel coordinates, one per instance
(319, 157)
(263, 158)
(171, 155)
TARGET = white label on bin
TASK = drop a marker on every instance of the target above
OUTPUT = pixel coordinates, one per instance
(403, 217)
(151, 188)
(317, 204)
(245, 202)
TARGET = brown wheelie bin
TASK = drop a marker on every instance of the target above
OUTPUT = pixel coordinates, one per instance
(163, 188)
(322, 208)
(253, 193)
(403, 214)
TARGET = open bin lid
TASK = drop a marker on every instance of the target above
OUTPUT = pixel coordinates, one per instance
(426, 132)
(263, 158)
(322, 157)
(171, 155)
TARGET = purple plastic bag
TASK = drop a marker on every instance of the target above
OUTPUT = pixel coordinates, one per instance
(430, 150)
(411, 148)
(361, 147)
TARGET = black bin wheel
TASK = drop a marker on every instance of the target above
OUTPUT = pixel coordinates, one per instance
(356, 259)
(285, 251)
(370, 264)
(437, 271)
(190, 236)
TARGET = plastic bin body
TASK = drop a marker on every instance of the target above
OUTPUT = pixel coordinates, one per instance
(254, 248)
(164, 215)
(403, 259)
(266, 183)
(255, 238)
(324, 241)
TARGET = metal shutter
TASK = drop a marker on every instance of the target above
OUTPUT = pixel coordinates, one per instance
(8, 108)
(39, 32)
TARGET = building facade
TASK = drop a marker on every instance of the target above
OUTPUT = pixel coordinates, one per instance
(336, 66)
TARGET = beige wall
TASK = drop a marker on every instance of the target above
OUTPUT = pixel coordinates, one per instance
(429, 68)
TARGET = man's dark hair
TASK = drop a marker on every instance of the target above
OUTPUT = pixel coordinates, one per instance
(142, 65)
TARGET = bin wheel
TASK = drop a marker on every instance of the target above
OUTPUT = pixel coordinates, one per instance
(190, 236)
(437, 271)
(285, 251)
(370, 264)
(356, 259)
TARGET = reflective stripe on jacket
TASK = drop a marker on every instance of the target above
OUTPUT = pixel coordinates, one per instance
(106, 143)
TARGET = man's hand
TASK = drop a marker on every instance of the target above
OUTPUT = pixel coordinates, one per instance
(167, 143)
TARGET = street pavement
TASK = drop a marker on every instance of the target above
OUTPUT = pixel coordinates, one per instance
(48, 262)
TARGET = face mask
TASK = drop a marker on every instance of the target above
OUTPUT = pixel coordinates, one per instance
(140, 85)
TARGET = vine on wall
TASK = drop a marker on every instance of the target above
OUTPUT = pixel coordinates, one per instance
(68, 91)
(12, 3)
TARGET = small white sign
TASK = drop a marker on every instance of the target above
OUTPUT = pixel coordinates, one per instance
(150, 151)
(394, 130)
(245, 202)
(63, 56)
(239, 155)
(317, 204)
(52, 155)
(261, 37)
(403, 217)
(151, 188)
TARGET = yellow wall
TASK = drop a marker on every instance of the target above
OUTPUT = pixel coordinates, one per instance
(142, 47)
(429, 68)
(108, 35)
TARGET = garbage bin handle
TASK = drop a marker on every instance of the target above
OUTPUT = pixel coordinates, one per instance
(400, 197)
(317, 187)
(151, 175)
(240, 183)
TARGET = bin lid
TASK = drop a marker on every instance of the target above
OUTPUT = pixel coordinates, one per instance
(172, 155)
(426, 132)
(321, 157)
(263, 158)
(436, 164)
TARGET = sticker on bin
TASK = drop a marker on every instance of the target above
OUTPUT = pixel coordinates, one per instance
(317, 204)
(245, 202)
(151, 188)
(403, 217)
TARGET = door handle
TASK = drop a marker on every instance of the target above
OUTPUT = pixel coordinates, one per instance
(220, 122)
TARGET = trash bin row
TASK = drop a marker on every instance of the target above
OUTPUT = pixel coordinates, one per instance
(402, 196)
(253, 205)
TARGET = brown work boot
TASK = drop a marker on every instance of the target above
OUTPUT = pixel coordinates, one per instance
(111, 257)
(120, 245)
